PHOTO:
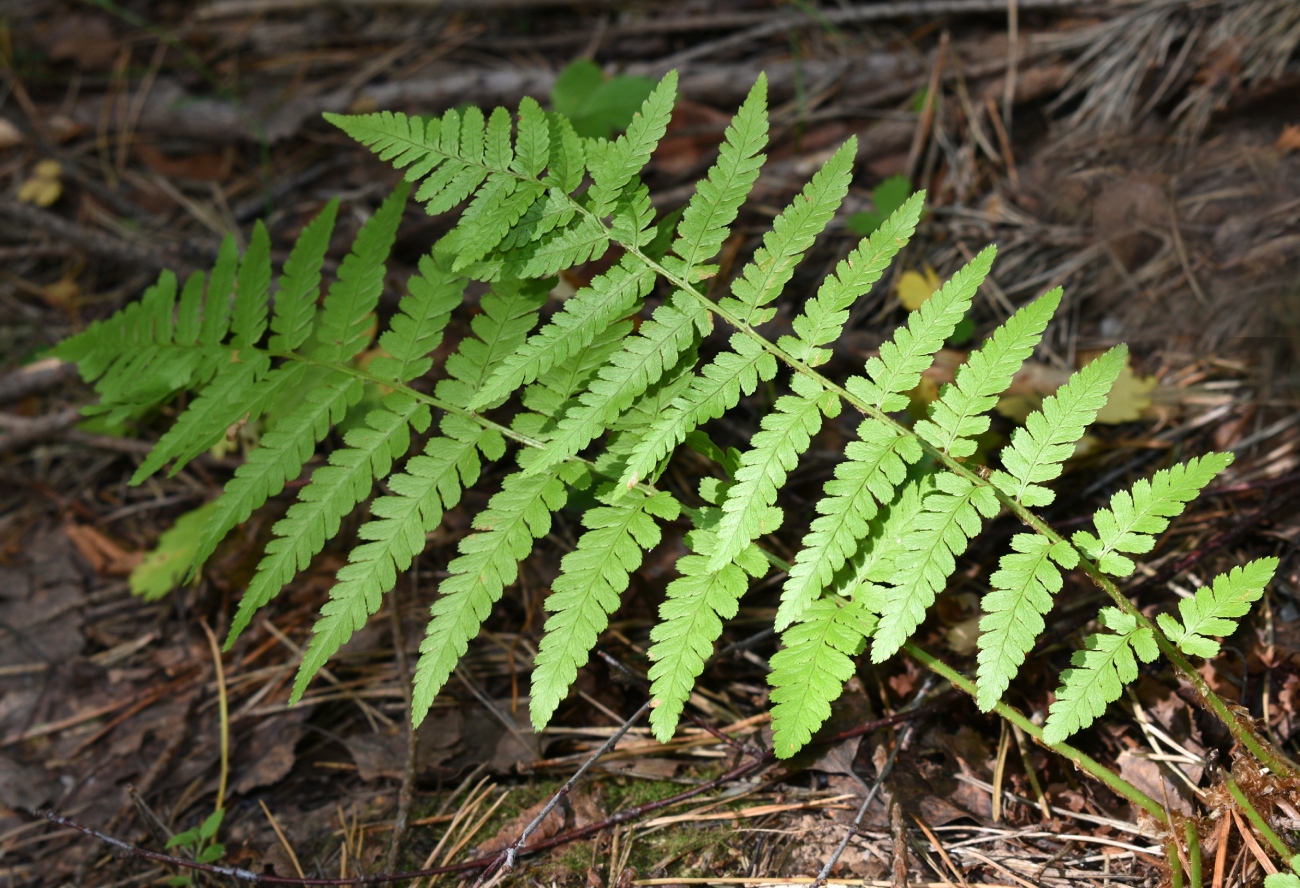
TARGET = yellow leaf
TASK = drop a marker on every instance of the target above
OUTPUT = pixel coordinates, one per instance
(1129, 398)
(43, 188)
(915, 287)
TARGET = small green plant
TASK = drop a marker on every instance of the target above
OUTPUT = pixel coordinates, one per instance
(587, 400)
(595, 105)
(200, 842)
(886, 197)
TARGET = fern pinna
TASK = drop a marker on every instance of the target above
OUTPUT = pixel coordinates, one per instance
(597, 397)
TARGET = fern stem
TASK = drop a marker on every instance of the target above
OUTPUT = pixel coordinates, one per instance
(1257, 820)
(1193, 853)
(1017, 718)
(1238, 726)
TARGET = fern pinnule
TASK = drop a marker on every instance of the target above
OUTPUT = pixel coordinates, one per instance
(911, 350)
(823, 317)
(1023, 587)
(951, 517)
(809, 672)
(1050, 433)
(592, 578)
(299, 284)
(1099, 673)
(248, 313)
(748, 511)
(1215, 608)
(332, 493)
(1136, 515)
(612, 165)
(707, 218)
(416, 330)
(961, 411)
(611, 295)
(430, 484)
(793, 232)
(488, 562)
(690, 618)
(345, 317)
(221, 286)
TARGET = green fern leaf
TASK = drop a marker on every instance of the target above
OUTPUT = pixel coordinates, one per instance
(612, 165)
(713, 392)
(587, 591)
(567, 164)
(1215, 608)
(874, 564)
(873, 467)
(951, 518)
(911, 351)
(1099, 674)
(793, 232)
(609, 297)
(299, 285)
(488, 562)
(279, 456)
(708, 216)
(533, 142)
(1133, 519)
(333, 492)
(690, 620)
(555, 389)
(808, 674)
(1022, 593)
(642, 361)
(1050, 433)
(223, 402)
(430, 484)
(248, 315)
(823, 318)
(343, 321)
(509, 312)
(786, 432)
(221, 286)
(959, 414)
(416, 329)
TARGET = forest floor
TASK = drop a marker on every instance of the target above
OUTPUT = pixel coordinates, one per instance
(1143, 154)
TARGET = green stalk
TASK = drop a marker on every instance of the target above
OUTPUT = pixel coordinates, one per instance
(1193, 853)
(1257, 820)
(1175, 868)
(1078, 757)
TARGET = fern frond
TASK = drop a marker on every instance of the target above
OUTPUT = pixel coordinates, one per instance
(1022, 593)
(950, 519)
(1215, 608)
(1099, 674)
(610, 296)
(416, 330)
(592, 577)
(334, 490)
(488, 562)
(279, 456)
(911, 351)
(873, 467)
(248, 314)
(554, 390)
(612, 165)
(430, 484)
(959, 414)
(1050, 433)
(793, 232)
(748, 511)
(1133, 519)
(345, 317)
(708, 216)
(823, 317)
(299, 285)
(810, 671)
(690, 619)
(874, 564)
(641, 362)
